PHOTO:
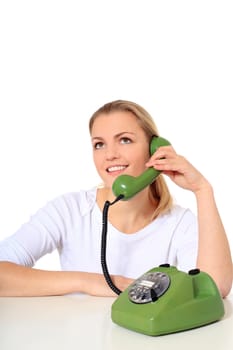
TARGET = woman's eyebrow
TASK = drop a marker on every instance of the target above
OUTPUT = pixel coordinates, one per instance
(115, 136)
(124, 132)
(97, 138)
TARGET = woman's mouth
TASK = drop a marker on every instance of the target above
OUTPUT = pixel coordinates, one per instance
(116, 169)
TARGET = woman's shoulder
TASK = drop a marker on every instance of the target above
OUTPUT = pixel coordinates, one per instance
(178, 213)
(179, 210)
(82, 201)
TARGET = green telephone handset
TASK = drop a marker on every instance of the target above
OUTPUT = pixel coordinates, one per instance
(128, 186)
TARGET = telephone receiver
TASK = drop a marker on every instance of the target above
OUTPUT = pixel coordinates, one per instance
(127, 186)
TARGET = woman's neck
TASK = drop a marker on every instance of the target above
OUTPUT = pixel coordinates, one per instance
(128, 216)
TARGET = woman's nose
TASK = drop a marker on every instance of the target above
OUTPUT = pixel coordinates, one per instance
(111, 152)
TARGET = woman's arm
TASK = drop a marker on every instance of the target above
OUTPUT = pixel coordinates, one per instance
(214, 256)
(17, 280)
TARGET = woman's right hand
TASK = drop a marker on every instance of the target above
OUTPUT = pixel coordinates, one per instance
(96, 285)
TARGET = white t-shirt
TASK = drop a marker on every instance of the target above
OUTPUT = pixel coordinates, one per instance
(72, 224)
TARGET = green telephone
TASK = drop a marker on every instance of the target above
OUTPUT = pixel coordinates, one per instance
(128, 186)
(163, 300)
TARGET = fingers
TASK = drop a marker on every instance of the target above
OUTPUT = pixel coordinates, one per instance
(177, 168)
(122, 282)
(165, 158)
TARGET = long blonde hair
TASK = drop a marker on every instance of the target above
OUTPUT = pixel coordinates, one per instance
(159, 191)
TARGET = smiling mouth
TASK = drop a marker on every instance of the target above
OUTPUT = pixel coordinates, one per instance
(117, 168)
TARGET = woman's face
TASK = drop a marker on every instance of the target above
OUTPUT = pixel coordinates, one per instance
(120, 146)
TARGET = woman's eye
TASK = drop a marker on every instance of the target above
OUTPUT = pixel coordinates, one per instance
(98, 145)
(125, 140)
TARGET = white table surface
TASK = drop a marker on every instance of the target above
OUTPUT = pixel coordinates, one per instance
(84, 322)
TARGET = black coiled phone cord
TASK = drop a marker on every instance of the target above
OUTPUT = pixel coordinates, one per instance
(104, 244)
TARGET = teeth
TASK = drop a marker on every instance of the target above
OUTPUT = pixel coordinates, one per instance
(116, 168)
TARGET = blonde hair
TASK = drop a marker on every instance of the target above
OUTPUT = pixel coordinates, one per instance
(159, 191)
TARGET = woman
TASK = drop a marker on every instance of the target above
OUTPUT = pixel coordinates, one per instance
(143, 232)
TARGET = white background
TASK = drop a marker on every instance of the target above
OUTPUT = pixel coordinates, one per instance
(61, 60)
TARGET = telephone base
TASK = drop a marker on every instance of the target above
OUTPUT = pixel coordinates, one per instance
(166, 300)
